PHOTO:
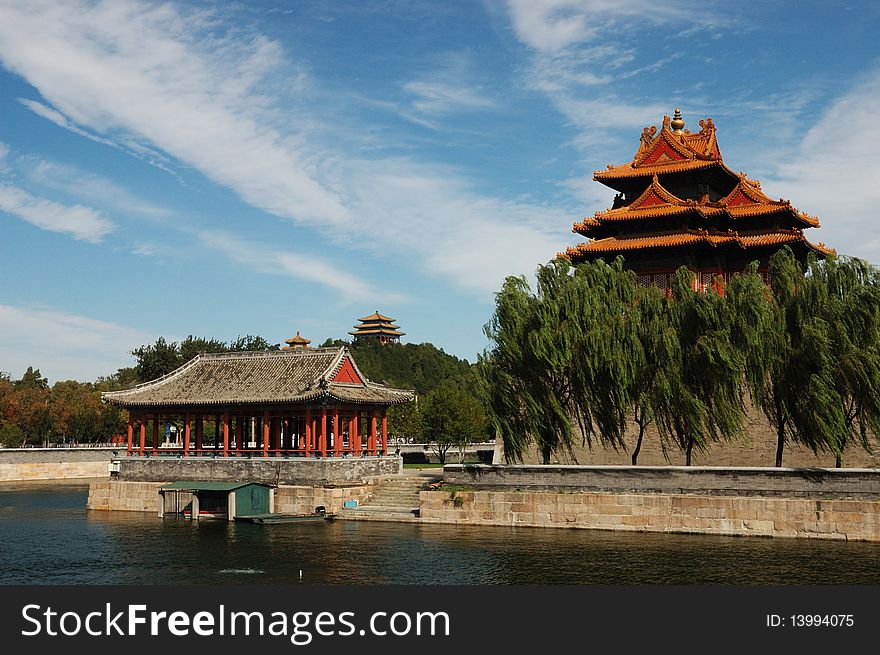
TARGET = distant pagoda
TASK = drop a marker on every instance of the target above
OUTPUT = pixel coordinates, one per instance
(378, 327)
(297, 342)
(679, 205)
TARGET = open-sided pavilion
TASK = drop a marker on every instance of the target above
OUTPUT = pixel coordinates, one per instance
(307, 402)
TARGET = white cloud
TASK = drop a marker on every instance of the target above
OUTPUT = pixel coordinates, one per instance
(84, 223)
(438, 97)
(64, 346)
(553, 25)
(61, 121)
(269, 260)
(169, 80)
(835, 171)
(210, 98)
(574, 56)
(94, 188)
(439, 223)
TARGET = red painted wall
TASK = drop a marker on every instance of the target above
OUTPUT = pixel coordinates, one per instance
(347, 373)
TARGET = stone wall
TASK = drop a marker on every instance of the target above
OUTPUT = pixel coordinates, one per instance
(758, 449)
(124, 496)
(723, 515)
(270, 470)
(304, 500)
(19, 464)
(117, 495)
(742, 481)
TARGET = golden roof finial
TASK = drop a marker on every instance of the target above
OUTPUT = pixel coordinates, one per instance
(677, 123)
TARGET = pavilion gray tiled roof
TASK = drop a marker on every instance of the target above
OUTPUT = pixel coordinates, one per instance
(290, 376)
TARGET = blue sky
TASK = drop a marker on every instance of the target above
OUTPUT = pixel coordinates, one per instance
(224, 169)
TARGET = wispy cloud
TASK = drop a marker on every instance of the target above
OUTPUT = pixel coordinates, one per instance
(834, 170)
(83, 223)
(438, 222)
(435, 97)
(574, 60)
(88, 186)
(553, 25)
(64, 346)
(4, 151)
(170, 80)
(128, 144)
(175, 80)
(61, 121)
(270, 260)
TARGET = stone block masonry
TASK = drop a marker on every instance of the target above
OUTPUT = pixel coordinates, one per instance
(117, 495)
(298, 471)
(22, 464)
(739, 481)
(857, 520)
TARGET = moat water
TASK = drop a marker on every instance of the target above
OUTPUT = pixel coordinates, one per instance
(48, 537)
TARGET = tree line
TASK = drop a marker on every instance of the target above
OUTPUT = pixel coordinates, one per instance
(33, 413)
(446, 412)
(591, 348)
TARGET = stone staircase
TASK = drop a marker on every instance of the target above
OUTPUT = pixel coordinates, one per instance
(393, 499)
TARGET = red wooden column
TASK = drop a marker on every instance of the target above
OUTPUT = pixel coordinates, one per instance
(385, 432)
(155, 434)
(200, 433)
(225, 434)
(143, 420)
(357, 434)
(265, 433)
(186, 434)
(337, 438)
(322, 444)
(276, 435)
(130, 432)
(308, 431)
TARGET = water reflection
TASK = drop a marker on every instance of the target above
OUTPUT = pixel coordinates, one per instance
(50, 538)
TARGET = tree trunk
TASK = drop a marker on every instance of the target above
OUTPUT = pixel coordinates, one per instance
(780, 444)
(838, 461)
(635, 455)
(780, 430)
(690, 449)
(545, 454)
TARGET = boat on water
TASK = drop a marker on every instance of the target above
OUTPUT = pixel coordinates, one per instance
(270, 519)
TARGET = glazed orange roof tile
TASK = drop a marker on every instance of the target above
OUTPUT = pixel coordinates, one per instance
(745, 200)
(672, 149)
(689, 237)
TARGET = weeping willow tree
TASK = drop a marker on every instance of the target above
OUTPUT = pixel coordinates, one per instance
(563, 356)
(845, 294)
(653, 384)
(591, 348)
(789, 370)
(705, 403)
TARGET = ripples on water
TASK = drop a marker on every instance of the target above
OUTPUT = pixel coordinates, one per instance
(49, 538)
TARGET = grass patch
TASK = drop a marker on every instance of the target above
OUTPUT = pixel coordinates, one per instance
(423, 466)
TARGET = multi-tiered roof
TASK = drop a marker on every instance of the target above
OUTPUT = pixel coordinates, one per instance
(377, 326)
(297, 342)
(679, 204)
